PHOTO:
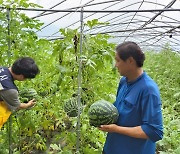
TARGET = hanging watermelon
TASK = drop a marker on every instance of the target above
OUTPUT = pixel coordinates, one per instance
(71, 107)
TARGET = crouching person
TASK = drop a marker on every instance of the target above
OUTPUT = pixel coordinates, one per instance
(22, 69)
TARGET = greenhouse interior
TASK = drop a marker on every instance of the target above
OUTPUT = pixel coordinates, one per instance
(81, 77)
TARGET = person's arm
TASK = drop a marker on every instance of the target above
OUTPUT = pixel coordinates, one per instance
(27, 105)
(135, 132)
(10, 96)
(151, 122)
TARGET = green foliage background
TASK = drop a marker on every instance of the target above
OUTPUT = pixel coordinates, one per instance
(46, 128)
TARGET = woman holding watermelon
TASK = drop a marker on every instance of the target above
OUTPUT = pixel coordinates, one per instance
(138, 102)
(22, 68)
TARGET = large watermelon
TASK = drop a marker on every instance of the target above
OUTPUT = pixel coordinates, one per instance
(71, 107)
(102, 113)
(28, 94)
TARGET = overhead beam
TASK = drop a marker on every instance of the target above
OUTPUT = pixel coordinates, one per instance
(91, 11)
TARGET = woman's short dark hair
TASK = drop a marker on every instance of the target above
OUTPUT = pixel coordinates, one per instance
(131, 49)
(25, 66)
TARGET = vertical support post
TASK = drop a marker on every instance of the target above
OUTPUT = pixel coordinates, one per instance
(9, 35)
(10, 135)
(9, 55)
(79, 83)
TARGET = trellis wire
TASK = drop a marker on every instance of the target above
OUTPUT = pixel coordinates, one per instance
(102, 16)
(96, 12)
(159, 13)
(61, 17)
(129, 30)
(135, 14)
(154, 17)
(84, 18)
(169, 31)
(49, 8)
(55, 12)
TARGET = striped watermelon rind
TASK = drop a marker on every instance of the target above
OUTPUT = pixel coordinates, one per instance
(102, 113)
(28, 94)
(71, 107)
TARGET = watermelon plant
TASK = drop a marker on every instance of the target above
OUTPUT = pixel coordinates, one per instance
(22, 39)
